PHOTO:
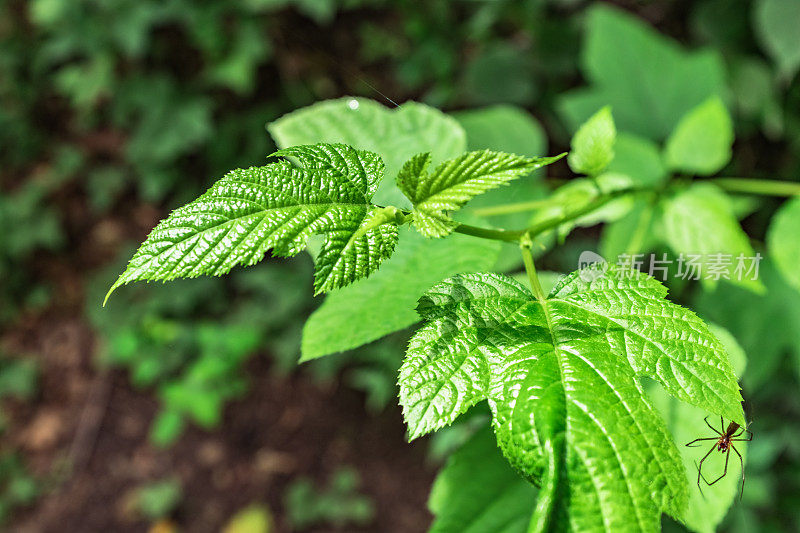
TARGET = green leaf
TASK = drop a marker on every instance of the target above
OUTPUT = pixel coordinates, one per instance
(699, 221)
(455, 182)
(503, 128)
(783, 241)
(639, 159)
(477, 492)
(646, 78)
(702, 140)
(561, 376)
(513, 130)
(593, 144)
(278, 207)
(395, 134)
(415, 266)
(776, 27)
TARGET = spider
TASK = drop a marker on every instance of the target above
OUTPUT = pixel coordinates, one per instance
(724, 443)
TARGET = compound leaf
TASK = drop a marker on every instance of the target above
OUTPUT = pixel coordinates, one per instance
(277, 206)
(561, 376)
(593, 144)
(455, 182)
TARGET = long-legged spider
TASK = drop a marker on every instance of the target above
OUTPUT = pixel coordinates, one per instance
(724, 443)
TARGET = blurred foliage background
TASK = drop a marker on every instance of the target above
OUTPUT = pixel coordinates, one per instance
(113, 112)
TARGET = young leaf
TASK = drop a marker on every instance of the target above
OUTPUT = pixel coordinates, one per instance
(702, 140)
(561, 376)
(477, 492)
(593, 144)
(700, 222)
(455, 182)
(278, 206)
(783, 241)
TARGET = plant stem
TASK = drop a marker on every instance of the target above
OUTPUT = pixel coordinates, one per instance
(765, 187)
(597, 203)
(486, 233)
(527, 258)
(541, 227)
(506, 209)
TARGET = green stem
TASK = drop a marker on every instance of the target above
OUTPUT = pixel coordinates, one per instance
(765, 187)
(541, 227)
(493, 234)
(527, 258)
(507, 209)
(546, 225)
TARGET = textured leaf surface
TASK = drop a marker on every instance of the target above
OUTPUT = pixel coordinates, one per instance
(668, 82)
(702, 140)
(394, 134)
(394, 290)
(593, 144)
(477, 492)
(700, 221)
(562, 379)
(783, 241)
(278, 206)
(456, 181)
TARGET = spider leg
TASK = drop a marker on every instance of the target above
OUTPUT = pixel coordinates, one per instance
(700, 468)
(748, 439)
(722, 424)
(698, 484)
(741, 463)
(689, 444)
(725, 471)
(712, 427)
